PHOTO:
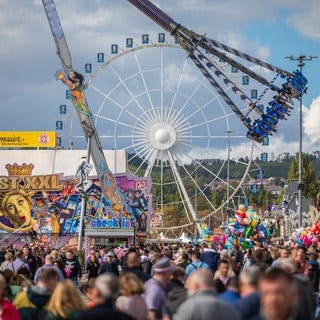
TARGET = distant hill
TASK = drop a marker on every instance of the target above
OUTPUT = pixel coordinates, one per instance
(271, 169)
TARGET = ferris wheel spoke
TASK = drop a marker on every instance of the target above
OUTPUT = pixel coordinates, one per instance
(198, 187)
(152, 160)
(128, 91)
(179, 82)
(114, 102)
(145, 86)
(183, 189)
(186, 103)
(188, 208)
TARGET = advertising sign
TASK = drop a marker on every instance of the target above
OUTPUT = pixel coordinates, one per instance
(47, 207)
(27, 139)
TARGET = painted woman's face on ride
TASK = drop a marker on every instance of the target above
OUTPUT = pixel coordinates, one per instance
(18, 209)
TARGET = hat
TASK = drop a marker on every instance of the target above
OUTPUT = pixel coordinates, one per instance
(162, 265)
(110, 254)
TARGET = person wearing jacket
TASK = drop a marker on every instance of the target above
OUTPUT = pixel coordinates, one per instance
(72, 267)
(31, 303)
(7, 310)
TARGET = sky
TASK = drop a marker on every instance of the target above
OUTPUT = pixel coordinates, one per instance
(267, 29)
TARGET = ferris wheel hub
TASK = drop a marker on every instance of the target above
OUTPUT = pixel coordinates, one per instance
(162, 136)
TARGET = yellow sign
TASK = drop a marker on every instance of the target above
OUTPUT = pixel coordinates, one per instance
(27, 139)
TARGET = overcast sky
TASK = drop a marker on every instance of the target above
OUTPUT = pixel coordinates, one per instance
(267, 29)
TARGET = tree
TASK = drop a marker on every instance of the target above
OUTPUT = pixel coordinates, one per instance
(308, 175)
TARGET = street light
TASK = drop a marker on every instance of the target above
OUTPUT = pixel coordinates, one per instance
(301, 63)
(228, 174)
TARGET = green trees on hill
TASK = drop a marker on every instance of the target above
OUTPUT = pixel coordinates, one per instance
(308, 177)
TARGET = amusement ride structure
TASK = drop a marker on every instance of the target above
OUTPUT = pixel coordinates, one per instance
(165, 128)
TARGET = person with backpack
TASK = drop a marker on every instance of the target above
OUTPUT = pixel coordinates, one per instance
(195, 263)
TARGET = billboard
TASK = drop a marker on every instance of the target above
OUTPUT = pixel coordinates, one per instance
(47, 207)
(27, 139)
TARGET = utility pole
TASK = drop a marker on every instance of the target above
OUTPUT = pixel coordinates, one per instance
(228, 175)
(301, 63)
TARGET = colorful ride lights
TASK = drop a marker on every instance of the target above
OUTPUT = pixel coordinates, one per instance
(278, 108)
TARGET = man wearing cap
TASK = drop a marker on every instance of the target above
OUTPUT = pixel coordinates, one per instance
(110, 265)
(155, 294)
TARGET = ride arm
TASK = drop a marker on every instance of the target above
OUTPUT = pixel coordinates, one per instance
(184, 34)
(110, 192)
(58, 35)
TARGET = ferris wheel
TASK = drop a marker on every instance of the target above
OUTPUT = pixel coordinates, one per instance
(149, 99)
(173, 117)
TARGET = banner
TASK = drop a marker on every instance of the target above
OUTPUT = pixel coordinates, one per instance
(27, 139)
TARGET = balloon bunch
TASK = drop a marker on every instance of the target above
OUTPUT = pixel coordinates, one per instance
(306, 236)
(244, 229)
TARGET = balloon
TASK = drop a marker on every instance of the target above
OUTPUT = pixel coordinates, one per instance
(246, 245)
(253, 223)
(248, 231)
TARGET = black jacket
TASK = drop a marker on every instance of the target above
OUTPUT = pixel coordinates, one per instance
(103, 312)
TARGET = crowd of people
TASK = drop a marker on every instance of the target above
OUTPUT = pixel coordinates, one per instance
(160, 281)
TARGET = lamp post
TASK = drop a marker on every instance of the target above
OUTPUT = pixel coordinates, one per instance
(301, 63)
(228, 174)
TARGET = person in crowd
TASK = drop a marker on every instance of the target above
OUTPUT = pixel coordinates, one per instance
(225, 255)
(238, 258)
(259, 258)
(249, 303)
(30, 259)
(48, 263)
(202, 302)
(183, 260)
(221, 276)
(155, 294)
(72, 267)
(8, 258)
(232, 292)
(301, 261)
(18, 283)
(18, 263)
(55, 255)
(92, 266)
(146, 262)
(134, 266)
(196, 263)
(59, 264)
(65, 303)
(176, 292)
(307, 301)
(314, 272)
(247, 259)
(210, 256)
(130, 300)
(3, 251)
(284, 253)
(110, 265)
(105, 292)
(87, 290)
(278, 296)
(31, 303)
(7, 310)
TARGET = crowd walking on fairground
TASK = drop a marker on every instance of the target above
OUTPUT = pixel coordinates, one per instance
(160, 282)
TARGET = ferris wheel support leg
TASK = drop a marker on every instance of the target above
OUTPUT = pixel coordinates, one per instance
(184, 191)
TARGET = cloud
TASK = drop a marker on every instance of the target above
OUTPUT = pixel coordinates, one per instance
(306, 20)
(311, 120)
